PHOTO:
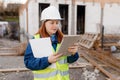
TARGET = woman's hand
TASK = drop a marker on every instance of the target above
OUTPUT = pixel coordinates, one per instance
(73, 49)
(54, 57)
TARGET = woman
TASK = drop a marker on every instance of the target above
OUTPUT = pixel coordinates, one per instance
(50, 18)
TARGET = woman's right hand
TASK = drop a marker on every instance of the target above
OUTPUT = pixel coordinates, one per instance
(54, 57)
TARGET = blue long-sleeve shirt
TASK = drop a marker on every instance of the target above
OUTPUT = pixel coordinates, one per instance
(41, 63)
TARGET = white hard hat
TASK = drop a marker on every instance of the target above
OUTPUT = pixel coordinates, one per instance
(50, 12)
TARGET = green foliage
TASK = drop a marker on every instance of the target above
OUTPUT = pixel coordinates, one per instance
(14, 19)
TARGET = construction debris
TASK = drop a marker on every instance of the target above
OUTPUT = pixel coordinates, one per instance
(89, 75)
(91, 55)
(14, 70)
(10, 48)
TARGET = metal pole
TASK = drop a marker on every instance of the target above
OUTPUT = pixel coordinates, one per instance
(102, 27)
(102, 37)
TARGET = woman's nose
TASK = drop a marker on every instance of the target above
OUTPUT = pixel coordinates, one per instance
(55, 25)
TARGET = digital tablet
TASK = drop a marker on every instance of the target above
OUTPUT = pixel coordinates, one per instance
(68, 41)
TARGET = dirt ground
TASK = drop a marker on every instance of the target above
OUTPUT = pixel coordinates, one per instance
(10, 62)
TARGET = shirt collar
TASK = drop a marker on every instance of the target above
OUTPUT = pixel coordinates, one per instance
(54, 38)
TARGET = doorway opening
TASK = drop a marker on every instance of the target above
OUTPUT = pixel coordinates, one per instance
(63, 8)
(80, 19)
(42, 6)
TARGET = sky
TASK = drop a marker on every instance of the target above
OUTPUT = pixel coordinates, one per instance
(15, 1)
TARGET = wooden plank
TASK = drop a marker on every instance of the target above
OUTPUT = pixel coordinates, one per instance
(71, 66)
(81, 65)
(9, 54)
(94, 57)
(18, 50)
(106, 58)
(110, 44)
(99, 67)
(103, 56)
(14, 70)
(88, 40)
(108, 63)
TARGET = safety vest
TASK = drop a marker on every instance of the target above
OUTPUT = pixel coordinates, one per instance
(58, 72)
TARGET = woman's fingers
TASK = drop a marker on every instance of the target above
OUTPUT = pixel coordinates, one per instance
(54, 57)
(73, 49)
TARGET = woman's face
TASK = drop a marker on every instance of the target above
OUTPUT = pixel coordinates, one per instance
(52, 26)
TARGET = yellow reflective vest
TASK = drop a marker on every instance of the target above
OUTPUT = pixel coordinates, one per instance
(58, 72)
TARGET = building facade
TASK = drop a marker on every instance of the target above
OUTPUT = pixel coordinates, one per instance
(79, 17)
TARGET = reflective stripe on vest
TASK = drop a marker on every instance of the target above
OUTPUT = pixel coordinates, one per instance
(58, 73)
(51, 74)
(62, 61)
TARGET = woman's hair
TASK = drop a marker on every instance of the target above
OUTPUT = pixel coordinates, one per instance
(43, 33)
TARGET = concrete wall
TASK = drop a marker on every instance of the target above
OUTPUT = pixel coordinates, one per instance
(33, 17)
(23, 25)
(112, 18)
(92, 17)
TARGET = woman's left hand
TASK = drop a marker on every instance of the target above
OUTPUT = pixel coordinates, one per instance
(73, 49)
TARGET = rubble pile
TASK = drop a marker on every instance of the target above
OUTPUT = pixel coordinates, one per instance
(89, 75)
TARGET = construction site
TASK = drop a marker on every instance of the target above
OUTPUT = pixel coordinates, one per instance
(99, 42)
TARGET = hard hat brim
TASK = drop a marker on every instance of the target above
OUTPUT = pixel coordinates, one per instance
(53, 19)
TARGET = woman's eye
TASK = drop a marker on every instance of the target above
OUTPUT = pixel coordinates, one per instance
(52, 23)
(56, 22)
